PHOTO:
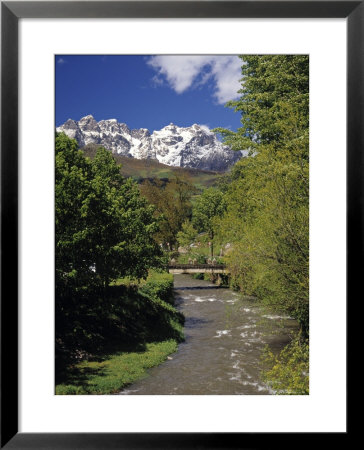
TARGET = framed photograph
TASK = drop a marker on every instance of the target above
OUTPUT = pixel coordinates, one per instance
(107, 74)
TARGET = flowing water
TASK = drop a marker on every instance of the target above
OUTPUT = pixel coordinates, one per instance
(225, 334)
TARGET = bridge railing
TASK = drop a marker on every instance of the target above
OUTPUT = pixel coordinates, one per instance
(197, 266)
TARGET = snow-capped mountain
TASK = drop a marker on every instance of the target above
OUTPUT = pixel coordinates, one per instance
(195, 146)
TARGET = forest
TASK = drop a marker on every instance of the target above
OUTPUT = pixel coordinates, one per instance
(115, 236)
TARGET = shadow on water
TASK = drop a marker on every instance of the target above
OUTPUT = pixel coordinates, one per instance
(194, 321)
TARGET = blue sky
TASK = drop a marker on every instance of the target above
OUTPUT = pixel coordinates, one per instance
(148, 91)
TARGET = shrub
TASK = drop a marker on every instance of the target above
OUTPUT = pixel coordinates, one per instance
(159, 285)
(288, 372)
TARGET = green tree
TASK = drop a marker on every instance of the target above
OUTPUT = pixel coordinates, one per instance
(187, 234)
(207, 208)
(172, 203)
(274, 104)
(73, 177)
(104, 230)
(267, 215)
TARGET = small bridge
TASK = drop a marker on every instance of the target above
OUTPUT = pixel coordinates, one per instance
(197, 268)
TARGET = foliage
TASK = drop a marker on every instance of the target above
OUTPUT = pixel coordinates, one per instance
(72, 187)
(187, 235)
(267, 219)
(104, 230)
(288, 372)
(172, 203)
(208, 207)
(198, 276)
(274, 104)
(197, 255)
(159, 285)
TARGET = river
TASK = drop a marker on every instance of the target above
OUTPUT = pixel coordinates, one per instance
(225, 334)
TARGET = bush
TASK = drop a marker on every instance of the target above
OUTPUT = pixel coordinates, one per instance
(159, 285)
(288, 372)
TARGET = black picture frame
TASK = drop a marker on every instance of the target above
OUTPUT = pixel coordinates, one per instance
(11, 12)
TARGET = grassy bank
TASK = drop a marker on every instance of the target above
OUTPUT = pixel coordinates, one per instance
(110, 374)
(142, 330)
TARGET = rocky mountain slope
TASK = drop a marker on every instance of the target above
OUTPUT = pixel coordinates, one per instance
(194, 147)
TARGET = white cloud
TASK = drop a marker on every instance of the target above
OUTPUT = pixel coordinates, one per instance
(189, 71)
(227, 74)
(61, 61)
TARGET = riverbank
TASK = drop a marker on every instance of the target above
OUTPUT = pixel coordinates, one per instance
(114, 372)
(149, 328)
(225, 335)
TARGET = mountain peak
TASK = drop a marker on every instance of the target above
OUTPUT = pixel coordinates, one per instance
(195, 146)
(109, 120)
(171, 126)
(88, 117)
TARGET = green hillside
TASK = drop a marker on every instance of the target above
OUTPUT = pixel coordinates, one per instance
(142, 169)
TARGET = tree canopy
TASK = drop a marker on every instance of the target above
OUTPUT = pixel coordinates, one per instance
(104, 227)
(172, 201)
(104, 231)
(268, 199)
(187, 234)
(274, 103)
(208, 207)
